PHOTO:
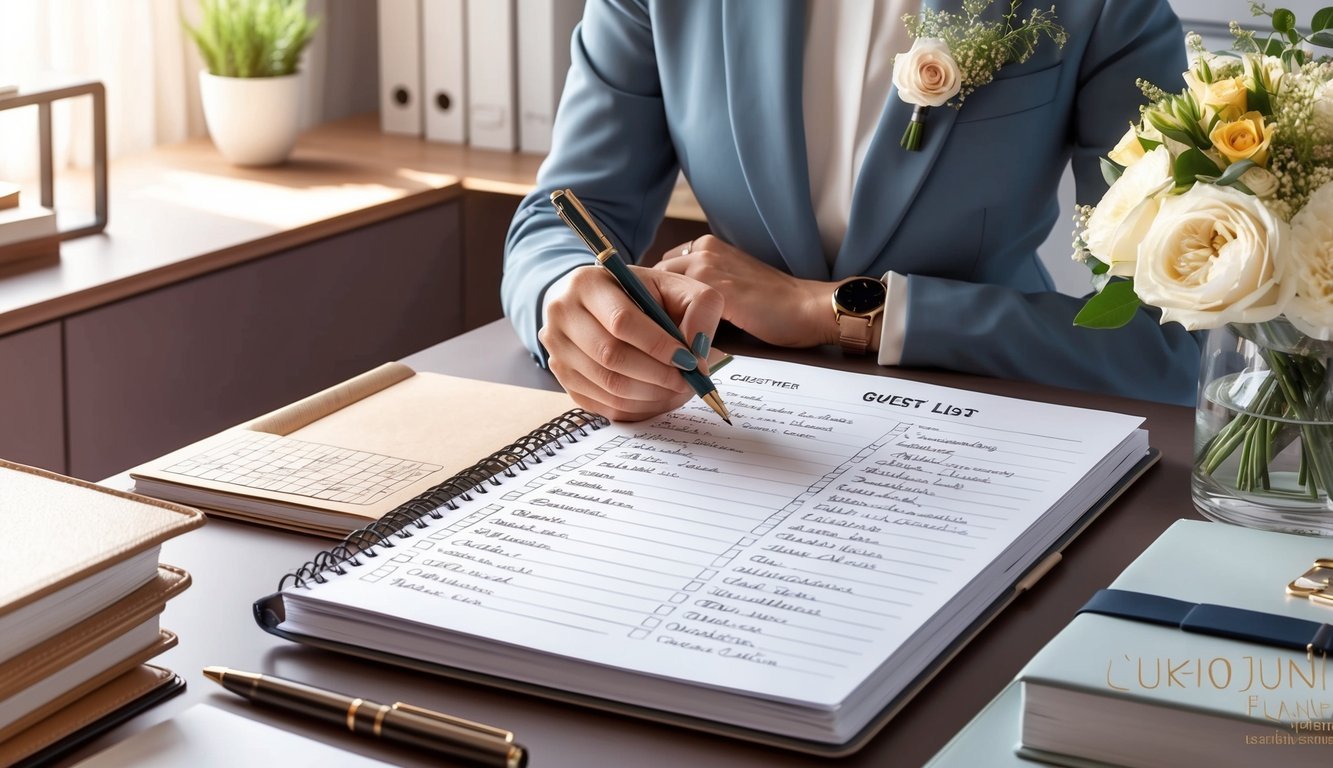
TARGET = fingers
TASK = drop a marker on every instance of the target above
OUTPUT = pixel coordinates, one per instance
(613, 358)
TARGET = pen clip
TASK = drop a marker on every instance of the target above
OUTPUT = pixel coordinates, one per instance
(431, 714)
(570, 210)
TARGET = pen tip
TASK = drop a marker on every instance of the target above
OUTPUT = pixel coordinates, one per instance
(215, 673)
(729, 424)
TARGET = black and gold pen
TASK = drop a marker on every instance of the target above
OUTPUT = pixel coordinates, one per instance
(453, 737)
(572, 212)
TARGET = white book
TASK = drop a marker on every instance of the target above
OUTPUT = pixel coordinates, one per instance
(544, 31)
(400, 66)
(491, 91)
(26, 222)
(788, 578)
(444, 69)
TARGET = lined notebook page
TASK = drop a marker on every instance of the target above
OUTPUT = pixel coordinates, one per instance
(786, 556)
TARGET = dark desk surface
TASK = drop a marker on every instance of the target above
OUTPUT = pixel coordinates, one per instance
(232, 564)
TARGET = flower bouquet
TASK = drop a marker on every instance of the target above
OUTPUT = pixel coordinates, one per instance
(1220, 215)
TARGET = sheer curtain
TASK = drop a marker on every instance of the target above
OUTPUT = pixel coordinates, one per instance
(140, 51)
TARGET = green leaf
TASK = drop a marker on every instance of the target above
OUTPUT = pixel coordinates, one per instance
(1323, 19)
(1322, 38)
(1148, 144)
(1292, 58)
(1294, 37)
(1190, 164)
(1100, 268)
(1234, 172)
(1113, 307)
(1274, 48)
(1283, 20)
(1110, 171)
(1260, 101)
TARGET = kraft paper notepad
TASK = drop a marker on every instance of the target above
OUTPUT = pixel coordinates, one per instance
(792, 579)
(346, 456)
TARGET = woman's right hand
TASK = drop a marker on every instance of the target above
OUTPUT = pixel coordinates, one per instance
(609, 355)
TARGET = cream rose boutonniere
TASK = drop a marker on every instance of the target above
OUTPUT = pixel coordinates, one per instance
(927, 75)
(953, 54)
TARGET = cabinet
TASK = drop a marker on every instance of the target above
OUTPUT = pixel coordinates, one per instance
(32, 406)
(153, 372)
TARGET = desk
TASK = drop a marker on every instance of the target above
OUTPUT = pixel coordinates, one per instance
(232, 564)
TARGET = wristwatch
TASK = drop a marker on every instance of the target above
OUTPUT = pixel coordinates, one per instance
(856, 302)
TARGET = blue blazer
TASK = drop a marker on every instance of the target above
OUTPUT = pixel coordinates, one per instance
(713, 88)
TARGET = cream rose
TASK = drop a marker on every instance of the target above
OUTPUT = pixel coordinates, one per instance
(1246, 138)
(1311, 310)
(1226, 97)
(1128, 150)
(927, 75)
(1260, 181)
(1214, 256)
(1323, 110)
(1132, 196)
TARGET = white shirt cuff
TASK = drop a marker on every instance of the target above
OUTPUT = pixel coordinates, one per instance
(894, 332)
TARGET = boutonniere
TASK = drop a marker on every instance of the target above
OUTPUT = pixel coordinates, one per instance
(953, 54)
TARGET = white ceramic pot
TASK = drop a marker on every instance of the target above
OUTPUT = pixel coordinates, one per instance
(252, 120)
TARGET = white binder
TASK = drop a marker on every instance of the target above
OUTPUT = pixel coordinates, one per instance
(400, 66)
(544, 31)
(491, 91)
(444, 73)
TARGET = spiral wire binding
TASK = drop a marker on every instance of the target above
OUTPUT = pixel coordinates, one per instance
(399, 522)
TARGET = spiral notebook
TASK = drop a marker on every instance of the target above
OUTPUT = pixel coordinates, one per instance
(793, 579)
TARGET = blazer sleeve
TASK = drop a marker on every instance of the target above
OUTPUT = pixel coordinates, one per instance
(610, 144)
(1007, 333)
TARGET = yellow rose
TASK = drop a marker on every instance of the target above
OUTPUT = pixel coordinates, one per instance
(1129, 150)
(1244, 139)
(1226, 98)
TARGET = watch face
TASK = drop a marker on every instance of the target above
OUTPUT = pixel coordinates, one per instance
(860, 296)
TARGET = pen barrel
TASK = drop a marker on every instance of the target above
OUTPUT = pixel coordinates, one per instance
(452, 740)
(638, 293)
(294, 697)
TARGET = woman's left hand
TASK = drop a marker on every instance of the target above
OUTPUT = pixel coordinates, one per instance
(767, 303)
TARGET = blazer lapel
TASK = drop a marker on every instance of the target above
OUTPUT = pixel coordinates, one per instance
(890, 176)
(764, 69)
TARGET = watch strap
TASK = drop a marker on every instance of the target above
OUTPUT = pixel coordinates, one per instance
(854, 332)
(1215, 620)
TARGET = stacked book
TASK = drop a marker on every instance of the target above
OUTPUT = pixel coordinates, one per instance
(80, 599)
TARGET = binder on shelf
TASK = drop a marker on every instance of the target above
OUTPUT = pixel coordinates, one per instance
(444, 69)
(544, 31)
(400, 66)
(491, 91)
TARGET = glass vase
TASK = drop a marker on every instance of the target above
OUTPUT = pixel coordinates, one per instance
(1263, 429)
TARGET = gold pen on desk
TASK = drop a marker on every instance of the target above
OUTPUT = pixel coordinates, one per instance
(402, 723)
(570, 210)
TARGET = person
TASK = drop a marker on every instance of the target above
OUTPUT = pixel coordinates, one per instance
(782, 118)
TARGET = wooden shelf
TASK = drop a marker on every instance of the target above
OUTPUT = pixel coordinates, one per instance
(181, 211)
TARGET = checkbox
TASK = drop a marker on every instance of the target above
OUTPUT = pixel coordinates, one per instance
(679, 597)
(665, 610)
(693, 586)
(406, 557)
(650, 622)
(638, 634)
(706, 574)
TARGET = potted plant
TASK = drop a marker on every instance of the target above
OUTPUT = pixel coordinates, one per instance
(251, 85)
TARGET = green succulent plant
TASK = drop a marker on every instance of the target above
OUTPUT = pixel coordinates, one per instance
(252, 38)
